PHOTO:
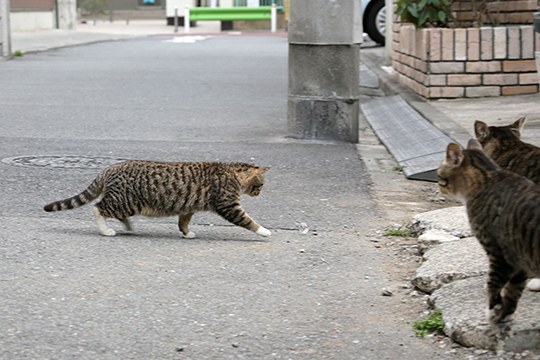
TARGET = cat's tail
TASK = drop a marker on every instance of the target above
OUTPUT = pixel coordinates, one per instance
(91, 193)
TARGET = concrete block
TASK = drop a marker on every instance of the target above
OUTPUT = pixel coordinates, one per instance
(325, 22)
(330, 71)
(432, 238)
(452, 220)
(449, 262)
(310, 118)
(464, 306)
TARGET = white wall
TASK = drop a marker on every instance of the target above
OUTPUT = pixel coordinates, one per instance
(32, 20)
(67, 14)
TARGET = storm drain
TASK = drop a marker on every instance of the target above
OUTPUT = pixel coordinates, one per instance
(62, 161)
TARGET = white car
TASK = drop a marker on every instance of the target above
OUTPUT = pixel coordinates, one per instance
(374, 19)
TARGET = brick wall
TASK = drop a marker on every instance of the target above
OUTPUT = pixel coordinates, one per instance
(468, 13)
(467, 62)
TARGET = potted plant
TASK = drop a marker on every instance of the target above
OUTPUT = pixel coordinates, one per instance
(466, 48)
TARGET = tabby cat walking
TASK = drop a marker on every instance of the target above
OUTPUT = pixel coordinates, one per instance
(503, 211)
(149, 188)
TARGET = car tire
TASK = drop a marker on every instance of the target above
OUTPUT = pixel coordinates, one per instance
(372, 19)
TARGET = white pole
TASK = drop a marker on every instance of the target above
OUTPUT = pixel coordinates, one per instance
(273, 20)
(176, 19)
(186, 20)
(5, 31)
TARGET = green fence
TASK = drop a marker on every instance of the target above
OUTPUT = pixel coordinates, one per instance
(236, 13)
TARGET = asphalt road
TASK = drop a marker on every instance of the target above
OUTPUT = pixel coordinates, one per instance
(69, 293)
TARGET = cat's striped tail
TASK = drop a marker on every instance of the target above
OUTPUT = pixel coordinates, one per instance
(91, 193)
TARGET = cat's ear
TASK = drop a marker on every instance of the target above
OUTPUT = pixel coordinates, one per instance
(473, 144)
(481, 129)
(454, 154)
(262, 170)
(518, 125)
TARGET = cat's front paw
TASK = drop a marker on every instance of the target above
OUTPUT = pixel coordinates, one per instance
(108, 232)
(189, 235)
(263, 232)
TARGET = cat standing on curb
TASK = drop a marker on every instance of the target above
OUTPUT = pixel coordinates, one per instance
(504, 146)
(503, 211)
(150, 188)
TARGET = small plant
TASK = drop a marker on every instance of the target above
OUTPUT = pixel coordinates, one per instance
(399, 168)
(425, 13)
(94, 8)
(433, 323)
(18, 53)
(398, 232)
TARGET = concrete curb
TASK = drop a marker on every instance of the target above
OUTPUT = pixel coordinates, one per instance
(453, 272)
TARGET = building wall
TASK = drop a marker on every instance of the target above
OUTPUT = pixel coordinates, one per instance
(30, 15)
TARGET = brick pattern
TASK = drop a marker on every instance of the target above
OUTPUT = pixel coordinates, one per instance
(468, 13)
(472, 62)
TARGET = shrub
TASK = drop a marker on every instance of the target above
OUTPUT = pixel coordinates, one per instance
(425, 13)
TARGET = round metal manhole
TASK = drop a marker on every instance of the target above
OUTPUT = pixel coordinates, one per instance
(63, 161)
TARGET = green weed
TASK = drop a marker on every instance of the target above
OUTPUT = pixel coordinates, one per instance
(18, 53)
(399, 232)
(433, 323)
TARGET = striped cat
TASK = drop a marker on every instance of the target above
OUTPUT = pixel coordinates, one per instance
(502, 208)
(168, 189)
(504, 146)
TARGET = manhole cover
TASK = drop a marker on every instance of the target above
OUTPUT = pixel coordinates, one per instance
(64, 162)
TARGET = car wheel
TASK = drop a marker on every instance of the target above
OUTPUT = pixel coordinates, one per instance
(375, 21)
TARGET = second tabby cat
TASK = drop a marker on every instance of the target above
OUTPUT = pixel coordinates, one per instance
(503, 212)
(503, 144)
(165, 189)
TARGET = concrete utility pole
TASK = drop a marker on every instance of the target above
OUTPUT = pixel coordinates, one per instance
(5, 31)
(324, 65)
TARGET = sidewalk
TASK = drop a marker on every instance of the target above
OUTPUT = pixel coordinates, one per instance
(31, 41)
(454, 266)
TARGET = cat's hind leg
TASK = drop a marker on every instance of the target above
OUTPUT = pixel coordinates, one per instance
(183, 225)
(499, 274)
(127, 224)
(511, 293)
(101, 224)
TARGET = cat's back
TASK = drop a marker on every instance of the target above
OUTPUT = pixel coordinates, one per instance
(506, 216)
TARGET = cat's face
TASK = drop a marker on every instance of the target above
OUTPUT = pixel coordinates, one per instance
(254, 181)
(458, 175)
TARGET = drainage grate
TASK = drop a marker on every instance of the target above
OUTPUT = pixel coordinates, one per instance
(62, 161)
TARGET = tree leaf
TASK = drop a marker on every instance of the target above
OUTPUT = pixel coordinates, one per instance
(442, 17)
(412, 8)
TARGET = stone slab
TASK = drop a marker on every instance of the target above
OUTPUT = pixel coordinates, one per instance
(464, 303)
(452, 220)
(449, 262)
